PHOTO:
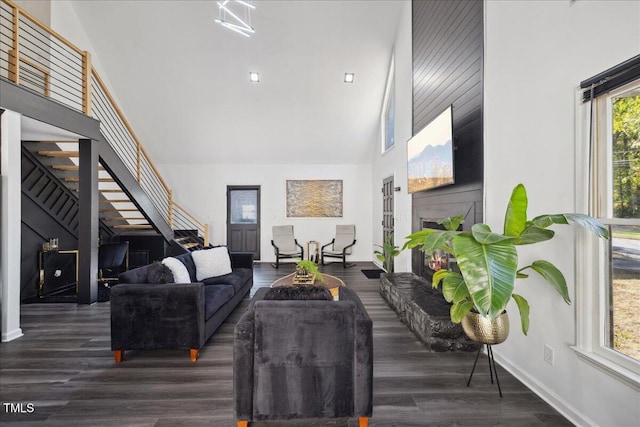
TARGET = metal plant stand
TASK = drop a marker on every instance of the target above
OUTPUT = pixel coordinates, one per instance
(492, 367)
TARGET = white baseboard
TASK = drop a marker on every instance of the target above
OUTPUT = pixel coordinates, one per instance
(12, 335)
(559, 404)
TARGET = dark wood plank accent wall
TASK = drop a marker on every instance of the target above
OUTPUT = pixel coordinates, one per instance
(448, 54)
(49, 210)
(447, 70)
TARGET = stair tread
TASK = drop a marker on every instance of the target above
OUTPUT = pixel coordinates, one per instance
(134, 226)
(75, 179)
(48, 153)
(57, 142)
(122, 218)
(71, 167)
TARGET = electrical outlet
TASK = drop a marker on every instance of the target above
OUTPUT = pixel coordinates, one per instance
(548, 354)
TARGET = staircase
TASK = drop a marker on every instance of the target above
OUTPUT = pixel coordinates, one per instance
(133, 197)
(119, 212)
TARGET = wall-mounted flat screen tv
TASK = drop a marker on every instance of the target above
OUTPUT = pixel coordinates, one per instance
(430, 155)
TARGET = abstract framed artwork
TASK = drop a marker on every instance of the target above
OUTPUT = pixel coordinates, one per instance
(314, 198)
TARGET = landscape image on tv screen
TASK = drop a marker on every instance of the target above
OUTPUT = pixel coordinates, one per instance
(430, 155)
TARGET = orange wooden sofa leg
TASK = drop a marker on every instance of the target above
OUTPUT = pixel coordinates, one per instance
(363, 421)
(243, 423)
(194, 354)
(118, 355)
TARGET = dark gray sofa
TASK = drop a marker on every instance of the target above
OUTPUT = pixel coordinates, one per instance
(303, 359)
(146, 316)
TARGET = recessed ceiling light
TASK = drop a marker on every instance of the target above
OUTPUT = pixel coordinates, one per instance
(254, 76)
(348, 77)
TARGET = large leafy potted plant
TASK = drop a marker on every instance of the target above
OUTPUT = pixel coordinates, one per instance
(386, 253)
(488, 261)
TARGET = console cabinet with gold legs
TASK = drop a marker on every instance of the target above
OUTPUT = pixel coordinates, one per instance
(58, 271)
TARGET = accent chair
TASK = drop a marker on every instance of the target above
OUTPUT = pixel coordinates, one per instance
(341, 245)
(111, 258)
(285, 244)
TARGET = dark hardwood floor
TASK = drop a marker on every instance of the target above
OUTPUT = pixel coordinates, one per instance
(64, 368)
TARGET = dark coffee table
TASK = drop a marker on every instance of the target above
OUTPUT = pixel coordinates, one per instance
(330, 282)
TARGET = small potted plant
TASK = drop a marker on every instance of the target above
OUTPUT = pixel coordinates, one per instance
(307, 268)
(488, 262)
(386, 253)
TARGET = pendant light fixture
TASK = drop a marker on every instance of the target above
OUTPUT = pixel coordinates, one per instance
(236, 16)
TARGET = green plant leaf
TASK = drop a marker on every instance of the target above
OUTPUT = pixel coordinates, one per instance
(489, 272)
(454, 289)
(552, 275)
(438, 240)
(515, 218)
(386, 253)
(437, 277)
(523, 308)
(451, 223)
(534, 234)
(483, 234)
(416, 239)
(459, 310)
(543, 221)
(589, 223)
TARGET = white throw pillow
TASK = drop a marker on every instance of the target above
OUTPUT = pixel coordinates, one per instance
(211, 262)
(179, 271)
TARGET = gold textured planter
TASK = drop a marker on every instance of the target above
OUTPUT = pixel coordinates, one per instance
(485, 330)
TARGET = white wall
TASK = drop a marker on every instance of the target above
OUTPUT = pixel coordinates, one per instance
(65, 22)
(394, 162)
(201, 189)
(10, 227)
(39, 9)
(536, 54)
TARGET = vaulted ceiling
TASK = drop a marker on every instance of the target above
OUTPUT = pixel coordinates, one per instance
(183, 80)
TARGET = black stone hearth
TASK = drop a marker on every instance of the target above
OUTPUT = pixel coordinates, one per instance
(424, 311)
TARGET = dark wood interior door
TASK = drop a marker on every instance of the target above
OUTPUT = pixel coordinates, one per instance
(387, 210)
(243, 219)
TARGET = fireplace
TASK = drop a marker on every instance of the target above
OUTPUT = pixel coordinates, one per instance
(438, 259)
(428, 207)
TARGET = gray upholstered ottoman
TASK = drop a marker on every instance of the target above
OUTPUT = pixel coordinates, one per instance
(303, 359)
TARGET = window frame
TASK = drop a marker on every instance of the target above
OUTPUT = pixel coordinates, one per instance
(593, 254)
(389, 96)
